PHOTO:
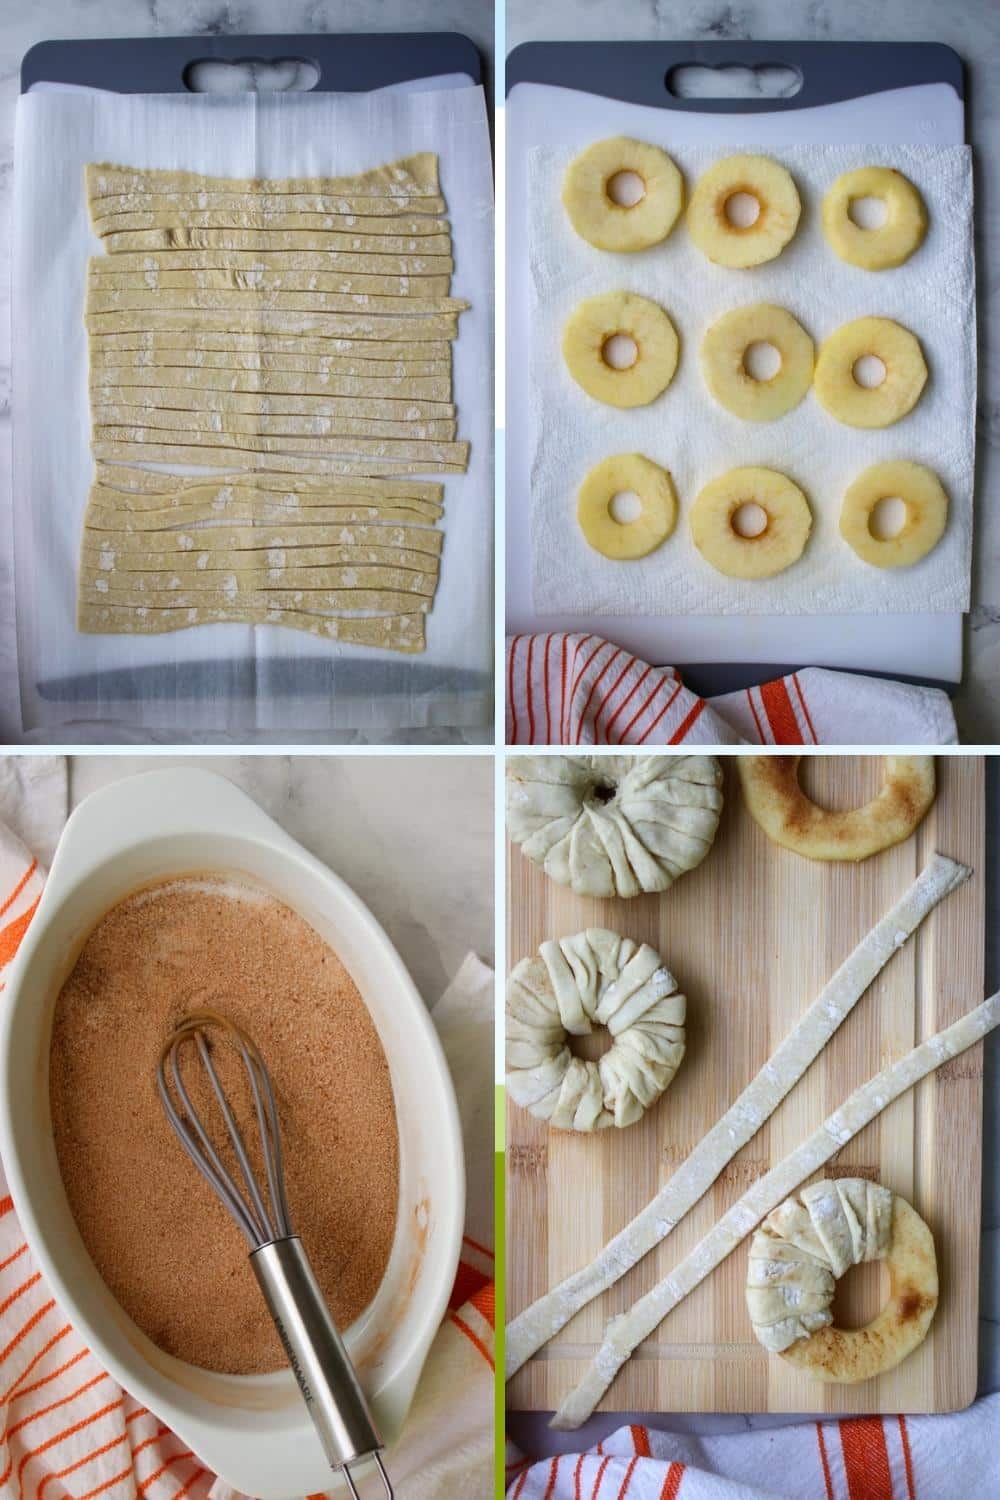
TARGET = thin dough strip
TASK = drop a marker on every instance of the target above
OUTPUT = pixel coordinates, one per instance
(310, 601)
(544, 1318)
(270, 263)
(267, 284)
(222, 502)
(408, 237)
(357, 447)
(107, 384)
(229, 539)
(182, 207)
(241, 512)
(277, 320)
(258, 580)
(253, 302)
(126, 361)
(194, 342)
(145, 399)
(280, 564)
(271, 424)
(391, 632)
(352, 211)
(143, 482)
(624, 1334)
(416, 172)
(156, 453)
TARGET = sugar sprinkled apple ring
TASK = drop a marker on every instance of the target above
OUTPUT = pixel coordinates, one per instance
(893, 241)
(598, 216)
(593, 978)
(801, 1250)
(925, 502)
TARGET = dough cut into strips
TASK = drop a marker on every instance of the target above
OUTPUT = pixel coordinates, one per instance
(453, 454)
(149, 363)
(417, 172)
(239, 512)
(252, 302)
(310, 601)
(426, 329)
(223, 500)
(267, 284)
(228, 539)
(541, 1321)
(144, 482)
(624, 1334)
(408, 237)
(106, 383)
(288, 463)
(273, 263)
(352, 211)
(278, 562)
(271, 424)
(193, 342)
(391, 632)
(182, 208)
(255, 403)
(254, 580)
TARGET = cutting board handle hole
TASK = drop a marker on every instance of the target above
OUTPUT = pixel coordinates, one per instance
(251, 75)
(763, 81)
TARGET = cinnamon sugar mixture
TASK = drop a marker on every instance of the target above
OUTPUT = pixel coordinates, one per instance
(164, 1245)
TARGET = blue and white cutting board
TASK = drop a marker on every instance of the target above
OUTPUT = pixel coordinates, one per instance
(570, 94)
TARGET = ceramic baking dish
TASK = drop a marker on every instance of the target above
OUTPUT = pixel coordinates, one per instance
(251, 1430)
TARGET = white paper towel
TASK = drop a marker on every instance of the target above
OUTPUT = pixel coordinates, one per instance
(687, 432)
(233, 677)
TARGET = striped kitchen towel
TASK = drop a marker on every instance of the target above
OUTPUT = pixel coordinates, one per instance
(854, 1458)
(582, 690)
(68, 1430)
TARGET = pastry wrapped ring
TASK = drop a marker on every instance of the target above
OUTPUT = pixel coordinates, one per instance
(806, 1244)
(592, 978)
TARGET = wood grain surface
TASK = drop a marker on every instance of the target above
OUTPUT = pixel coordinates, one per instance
(752, 935)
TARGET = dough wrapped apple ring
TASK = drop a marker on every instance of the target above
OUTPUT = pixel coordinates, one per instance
(801, 1250)
(841, 394)
(723, 362)
(614, 825)
(624, 473)
(586, 345)
(926, 503)
(895, 240)
(594, 977)
(777, 802)
(607, 224)
(728, 243)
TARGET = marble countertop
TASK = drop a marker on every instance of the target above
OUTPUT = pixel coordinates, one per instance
(972, 27)
(20, 28)
(375, 820)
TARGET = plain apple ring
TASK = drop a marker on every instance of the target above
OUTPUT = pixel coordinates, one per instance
(894, 241)
(590, 329)
(856, 405)
(723, 362)
(926, 503)
(739, 246)
(608, 225)
(622, 541)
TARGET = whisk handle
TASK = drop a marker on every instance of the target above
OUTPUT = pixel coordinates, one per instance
(315, 1351)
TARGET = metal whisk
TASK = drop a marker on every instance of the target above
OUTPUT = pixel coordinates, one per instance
(317, 1356)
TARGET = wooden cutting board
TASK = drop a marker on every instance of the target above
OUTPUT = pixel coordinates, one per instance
(751, 936)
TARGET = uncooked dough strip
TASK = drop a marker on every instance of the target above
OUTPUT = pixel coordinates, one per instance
(182, 207)
(624, 1334)
(266, 284)
(193, 341)
(289, 463)
(357, 575)
(392, 632)
(452, 454)
(544, 1318)
(253, 303)
(228, 539)
(408, 237)
(106, 383)
(280, 563)
(270, 424)
(386, 212)
(259, 403)
(136, 511)
(428, 329)
(418, 171)
(144, 482)
(309, 601)
(242, 512)
(150, 362)
(271, 263)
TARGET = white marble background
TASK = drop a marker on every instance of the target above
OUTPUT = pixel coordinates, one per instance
(21, 26)
(972, 27)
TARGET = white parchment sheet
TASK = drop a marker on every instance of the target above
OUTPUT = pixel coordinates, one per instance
(688, 432)
(233, 677)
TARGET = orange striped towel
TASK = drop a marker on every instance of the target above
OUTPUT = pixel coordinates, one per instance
(69, 1431)
(583, 690)
(855, 1458)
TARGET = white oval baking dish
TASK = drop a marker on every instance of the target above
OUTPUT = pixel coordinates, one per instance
(251, 1430)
